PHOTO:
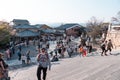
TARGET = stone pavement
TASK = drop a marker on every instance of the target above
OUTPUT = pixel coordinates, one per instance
(14, 63)
(86, 68)
(75, 68)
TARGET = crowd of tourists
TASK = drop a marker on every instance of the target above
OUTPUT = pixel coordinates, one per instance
(65, 47)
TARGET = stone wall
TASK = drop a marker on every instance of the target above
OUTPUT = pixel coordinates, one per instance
(115, 38)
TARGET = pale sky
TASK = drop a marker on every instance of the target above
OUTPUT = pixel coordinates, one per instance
(57, 11)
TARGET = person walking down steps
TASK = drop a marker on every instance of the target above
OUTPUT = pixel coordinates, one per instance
(43, 61)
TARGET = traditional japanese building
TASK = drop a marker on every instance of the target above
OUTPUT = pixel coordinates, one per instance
(23, 30)
(70, 29)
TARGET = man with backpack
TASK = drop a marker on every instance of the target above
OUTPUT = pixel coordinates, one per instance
(109, 46)
(103, 47)
(43, 61)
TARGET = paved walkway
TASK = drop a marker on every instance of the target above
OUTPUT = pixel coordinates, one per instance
(93, 67)
(86, 68)
(15, 62)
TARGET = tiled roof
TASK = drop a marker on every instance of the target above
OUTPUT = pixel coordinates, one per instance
(24, 26)
(43, 26)
(20, 21)
(26, 33)
(49, 31)
(65, 26)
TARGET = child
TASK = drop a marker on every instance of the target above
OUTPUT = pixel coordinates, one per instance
(80, 50)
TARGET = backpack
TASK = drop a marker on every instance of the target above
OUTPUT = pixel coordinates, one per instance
(103, 46)
(38, 57)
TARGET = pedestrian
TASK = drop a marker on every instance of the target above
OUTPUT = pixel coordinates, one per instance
(55, 50)
(84, 51)
(3, 69)
(13, 49)
(47, 45)
(8, 53)
(19, 54)
(28, 56)
(63, 51)
(90, 49)
(103, 47)
(109, 46)
(80, 50)
(59, 51)
(19, 46)
(75, 49)
(23, 58)
(69, 50)
(27, 42)
(43, 61)
(55, 58)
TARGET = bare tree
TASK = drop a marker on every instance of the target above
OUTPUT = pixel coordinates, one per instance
(94, 28)
(116, 19)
